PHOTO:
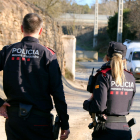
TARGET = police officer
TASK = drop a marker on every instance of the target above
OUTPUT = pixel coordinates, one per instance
(113, 93)
(31, 75)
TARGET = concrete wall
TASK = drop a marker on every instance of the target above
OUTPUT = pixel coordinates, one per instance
(69, 43)
(87, 54)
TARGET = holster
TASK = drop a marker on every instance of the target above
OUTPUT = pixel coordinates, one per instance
(24, 110)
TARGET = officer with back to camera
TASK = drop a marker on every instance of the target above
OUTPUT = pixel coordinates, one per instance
(31, 75)
(113, 93)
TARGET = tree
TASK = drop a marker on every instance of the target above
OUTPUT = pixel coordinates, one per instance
(105, 8)
(112, 27)
(126, 2)
(86, 9)
(134, 18)
(52, 7)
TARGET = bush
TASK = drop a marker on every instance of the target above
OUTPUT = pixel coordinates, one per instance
(112, 27)
(102, 41)
(68, 74)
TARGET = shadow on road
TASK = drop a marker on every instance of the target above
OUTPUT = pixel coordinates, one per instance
(70, 86)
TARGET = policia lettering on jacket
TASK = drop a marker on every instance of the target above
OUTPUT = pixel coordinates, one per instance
(112, 98)
(22, 51)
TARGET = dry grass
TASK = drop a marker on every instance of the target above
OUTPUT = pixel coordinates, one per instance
(79, 66)
(85, 60)
(68, 74)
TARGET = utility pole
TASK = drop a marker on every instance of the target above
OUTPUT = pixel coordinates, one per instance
(120, 21)
(95, 25)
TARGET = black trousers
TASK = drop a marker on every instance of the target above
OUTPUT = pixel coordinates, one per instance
(114, 135)
(33, 128)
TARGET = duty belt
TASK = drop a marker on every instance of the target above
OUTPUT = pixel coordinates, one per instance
(116, 119)
(34, 111)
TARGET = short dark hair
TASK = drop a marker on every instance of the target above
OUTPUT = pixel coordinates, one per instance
(32, 23)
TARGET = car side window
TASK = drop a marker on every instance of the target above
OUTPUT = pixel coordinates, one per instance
(130, 56)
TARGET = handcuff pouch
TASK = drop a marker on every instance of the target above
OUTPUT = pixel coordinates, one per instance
(24, 110)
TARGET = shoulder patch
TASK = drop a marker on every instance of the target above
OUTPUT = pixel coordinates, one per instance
(97, 86)
(52, 52)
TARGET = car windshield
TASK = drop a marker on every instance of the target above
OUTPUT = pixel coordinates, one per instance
(136, 56)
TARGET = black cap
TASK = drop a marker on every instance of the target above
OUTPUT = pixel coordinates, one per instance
(116, 47)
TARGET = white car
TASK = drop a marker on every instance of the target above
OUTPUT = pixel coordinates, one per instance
(133, 57)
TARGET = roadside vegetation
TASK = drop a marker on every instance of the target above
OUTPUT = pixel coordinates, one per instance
(54, 8)
(131, 29)
(57, 7)
(68, 74)
(127, 32)
(86, 42)
(84, 35)
(85, 45)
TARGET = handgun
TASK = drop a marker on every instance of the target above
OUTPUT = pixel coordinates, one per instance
(56, 127)
(93, 124)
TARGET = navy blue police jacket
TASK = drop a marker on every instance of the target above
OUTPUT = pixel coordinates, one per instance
(109, 97)
(31, 74)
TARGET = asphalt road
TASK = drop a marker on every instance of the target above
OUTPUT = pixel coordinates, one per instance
(78, 118)
(84, 74)
(135, 110)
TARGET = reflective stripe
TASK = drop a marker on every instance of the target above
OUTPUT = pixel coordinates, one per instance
(52, 52)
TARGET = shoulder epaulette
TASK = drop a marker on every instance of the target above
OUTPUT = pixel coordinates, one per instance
(92, 79)
(105, 70)
(52, 52)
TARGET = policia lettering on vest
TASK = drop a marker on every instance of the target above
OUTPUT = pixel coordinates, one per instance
(31, 76)
(113, 89)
